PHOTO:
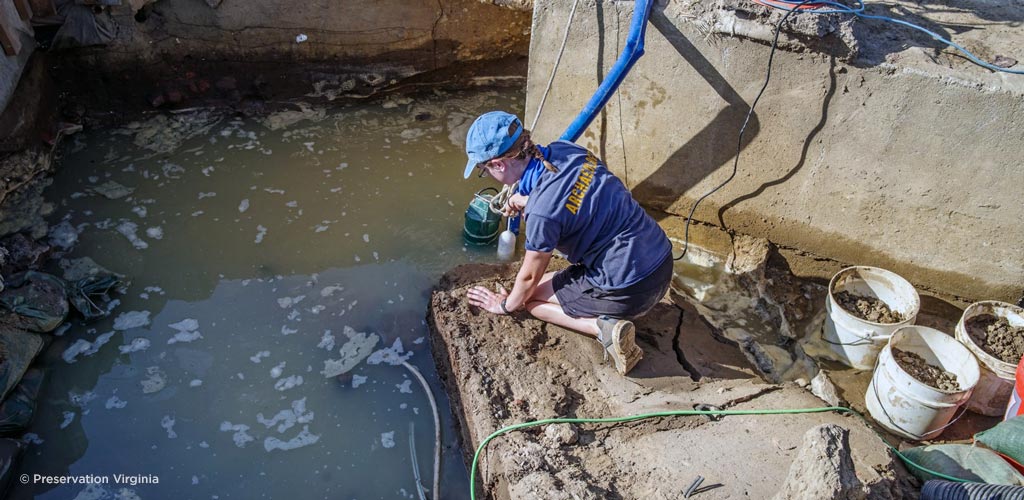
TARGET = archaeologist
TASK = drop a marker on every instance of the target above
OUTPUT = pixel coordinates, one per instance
(621, 259)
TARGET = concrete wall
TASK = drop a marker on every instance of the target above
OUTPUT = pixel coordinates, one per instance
(869, 147)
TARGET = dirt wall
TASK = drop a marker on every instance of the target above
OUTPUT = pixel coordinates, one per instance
(181, 48)
(872, 145)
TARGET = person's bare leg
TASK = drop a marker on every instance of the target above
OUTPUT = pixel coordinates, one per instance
(543, 305)
(552, 313)
(620, 341)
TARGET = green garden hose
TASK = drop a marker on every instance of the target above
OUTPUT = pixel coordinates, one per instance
(840, 409)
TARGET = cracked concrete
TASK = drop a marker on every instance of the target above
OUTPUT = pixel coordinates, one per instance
(502, 370)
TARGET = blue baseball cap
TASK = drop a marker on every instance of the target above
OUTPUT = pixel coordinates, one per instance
(491, 135)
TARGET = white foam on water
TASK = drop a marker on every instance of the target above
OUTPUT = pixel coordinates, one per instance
(93, 491)
(63, 235)
(286, 302)
(288, 382)
(81, 400)
(136, 345)
(387, 439)
(286, 419)
(155, 381)
(78, 347)
(358, 380)
(85, 348)
(321, 228)
(195, 383)
(128, 229)
(210, 194)
(243, 206)
(294, 315)
(207, 170)
(241, 435)
(61, 330)
(278, 370)
(260, 233)
(140, 210)
(304, 438)
(405, 387)
(288, 331)
(185, 325)
(274, 191)
(366, 238)
(115, 402)
(157, 233)
(292, 204)
(197, 213)
(394, 355)
(168, 424)
(204, 444)
(327, 341)
(327, 291)
(184, 337)
(195, 480)
(32, 438)
(355, 350)
(317, 309)
(259, 356)
(131, 319)
(69, 416)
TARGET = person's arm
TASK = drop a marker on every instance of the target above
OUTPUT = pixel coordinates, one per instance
(527, 279)
(529, 276)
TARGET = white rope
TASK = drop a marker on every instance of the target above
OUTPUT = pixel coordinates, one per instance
(436, 492)
(554, 68)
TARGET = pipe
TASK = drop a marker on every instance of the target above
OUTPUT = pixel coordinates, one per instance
(948, 490)
(630, 54)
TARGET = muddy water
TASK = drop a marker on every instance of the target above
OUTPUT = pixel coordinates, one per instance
(257, 255)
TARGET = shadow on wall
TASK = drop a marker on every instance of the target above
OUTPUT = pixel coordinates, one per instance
(803, 151)
(708, 149)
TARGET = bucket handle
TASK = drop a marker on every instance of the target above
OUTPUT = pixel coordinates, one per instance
(919, 437)
(868, 340)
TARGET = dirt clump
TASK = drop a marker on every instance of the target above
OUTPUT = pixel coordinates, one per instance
(925, 372)
(868, 308)
(997, 337)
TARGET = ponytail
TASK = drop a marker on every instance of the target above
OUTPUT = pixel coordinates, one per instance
(526, 146)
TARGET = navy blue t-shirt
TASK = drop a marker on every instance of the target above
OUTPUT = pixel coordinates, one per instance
(585, 212)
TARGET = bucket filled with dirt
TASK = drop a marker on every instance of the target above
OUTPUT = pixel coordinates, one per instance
(923, 377)
(865, 306)
(994, 332)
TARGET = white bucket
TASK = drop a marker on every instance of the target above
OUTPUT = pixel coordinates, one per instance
(857, 341)
(908, 407)
(997, 376)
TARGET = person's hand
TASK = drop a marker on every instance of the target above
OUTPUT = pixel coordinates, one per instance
(487, 300)
(515, 205)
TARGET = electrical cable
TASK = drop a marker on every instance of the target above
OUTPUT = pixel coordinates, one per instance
(743, 128)
(840, 409)
(807, 7)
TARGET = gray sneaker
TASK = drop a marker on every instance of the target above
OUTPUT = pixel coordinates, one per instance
(618, 336)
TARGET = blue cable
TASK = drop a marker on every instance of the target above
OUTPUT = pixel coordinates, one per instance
(858, 11)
